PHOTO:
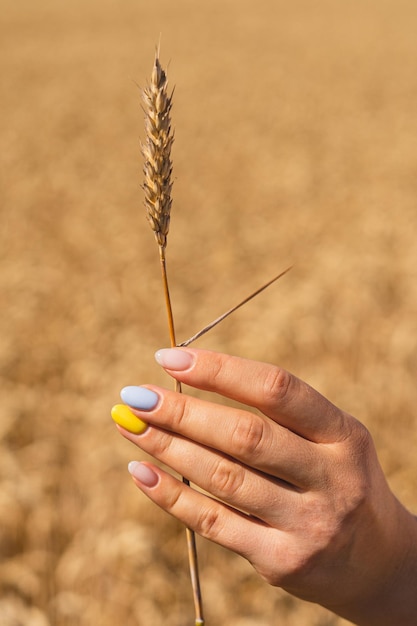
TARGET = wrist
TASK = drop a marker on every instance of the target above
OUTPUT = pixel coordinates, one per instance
(393, 599)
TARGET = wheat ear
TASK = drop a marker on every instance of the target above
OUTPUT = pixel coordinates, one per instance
(156, 150)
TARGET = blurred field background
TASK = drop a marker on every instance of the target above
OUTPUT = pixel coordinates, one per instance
(296, 143)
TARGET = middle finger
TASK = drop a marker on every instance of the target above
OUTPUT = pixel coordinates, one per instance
(250, 438)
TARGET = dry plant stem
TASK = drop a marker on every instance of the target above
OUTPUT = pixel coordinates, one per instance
(157, 186)
(191, 542)
(168, 305)
(219, 319)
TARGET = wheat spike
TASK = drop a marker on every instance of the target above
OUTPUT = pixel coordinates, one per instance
(157, 153)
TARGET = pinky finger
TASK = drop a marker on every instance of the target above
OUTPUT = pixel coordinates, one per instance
(209, 518)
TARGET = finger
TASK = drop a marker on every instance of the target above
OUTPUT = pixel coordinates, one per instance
(274, 391)
(252, 439)
(210, 519)
(257, 494)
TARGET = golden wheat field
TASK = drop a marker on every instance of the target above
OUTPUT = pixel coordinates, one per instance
(296, 144)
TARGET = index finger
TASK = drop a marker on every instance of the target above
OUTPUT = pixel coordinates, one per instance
(278, 394)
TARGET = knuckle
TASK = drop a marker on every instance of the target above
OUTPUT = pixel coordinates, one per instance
(361, 457)
(209, 523)
(363, 442)
(161, 445)
(179, 413)
(172, 500)
(227, 478)
(216, 368)
(276, 386)
(357, 448)
(248, 436)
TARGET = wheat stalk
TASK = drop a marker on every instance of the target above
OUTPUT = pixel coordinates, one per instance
(156, 149)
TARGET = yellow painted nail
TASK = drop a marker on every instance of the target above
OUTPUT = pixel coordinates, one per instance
(122, 415)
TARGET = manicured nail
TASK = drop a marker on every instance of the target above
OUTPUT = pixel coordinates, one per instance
(139, 397)
(174, 359)
(125, 418)
(143, 473)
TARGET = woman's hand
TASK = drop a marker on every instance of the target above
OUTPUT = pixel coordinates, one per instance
(297, 487)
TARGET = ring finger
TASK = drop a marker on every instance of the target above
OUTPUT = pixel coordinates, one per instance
(227, 480)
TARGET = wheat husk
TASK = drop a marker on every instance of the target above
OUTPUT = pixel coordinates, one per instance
(157, 153)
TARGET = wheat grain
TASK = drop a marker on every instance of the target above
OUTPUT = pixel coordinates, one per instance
(157, 153)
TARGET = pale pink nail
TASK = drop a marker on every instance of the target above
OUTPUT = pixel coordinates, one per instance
(143, 473)
(174, 359)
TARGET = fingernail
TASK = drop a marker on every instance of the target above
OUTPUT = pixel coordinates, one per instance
(139, 397)
(143, 473)
(125, 418)
(174, 359)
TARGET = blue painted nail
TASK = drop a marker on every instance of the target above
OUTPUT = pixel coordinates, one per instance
(139, 397)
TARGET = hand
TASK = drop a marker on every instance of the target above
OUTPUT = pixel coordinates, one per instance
(297, 490)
